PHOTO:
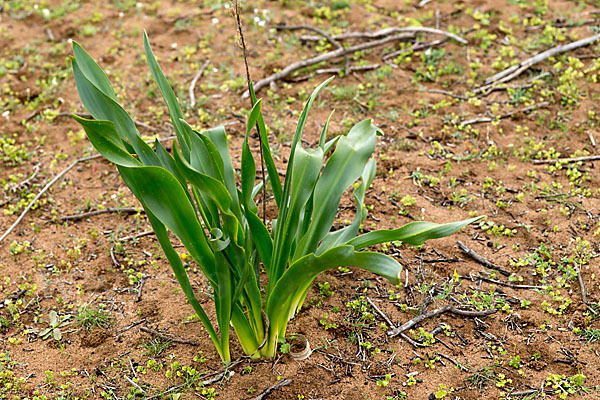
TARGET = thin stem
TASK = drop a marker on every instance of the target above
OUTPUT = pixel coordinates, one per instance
(262, 163)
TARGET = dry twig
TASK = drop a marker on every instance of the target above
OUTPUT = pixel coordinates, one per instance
(525, 110)
(276, 386)
(459, 365)
(567, 160)
(352, 68)
(195, 81)
(433, 313)
(581, 284)
(140, 288)
(564, 25)
(167, 337)
(123, 210)
(385, 317)
(389, 31)
(414, 47)
(327, 36)
(325, 57)
(36, 169)
(44, 190)
(113, 258)
(505, 284)
(516, 70)
(449, 94)
(136, 236)
(480, 259)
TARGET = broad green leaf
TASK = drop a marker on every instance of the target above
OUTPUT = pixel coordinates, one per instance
(212, 189)
(343, 168)
(169, 163)
(103, 107)
(244, 332)
(324, 132)
(214, 194)
(268, 157)
(223, 295)
(219, 139)
(253, 302)
(307, 166)
(206, 184)
(169, 97)
(305, 269)
(296, 140)
(105, 139)
(289, 174)
(161, 193)
(92, 71)
(330, 143)
(205, 157)
(306, 110)
(182, 278)
(414, 233)
(341, 236)
(248, 172)
(261, 238)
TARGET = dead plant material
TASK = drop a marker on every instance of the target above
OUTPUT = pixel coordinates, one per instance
(276, 386)
(525, 110)
(505, 284)
(567, 160)
(195, 81)
(389, 31)
(324, 34)
(122, 210)
(168, 337)
(44, 190)
(512, 72)
(326, 57)
(480, 259)
(581, 284)
(437, 311)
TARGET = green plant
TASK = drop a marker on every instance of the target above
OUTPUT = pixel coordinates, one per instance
(443, 391)
(591, 335)
(481, 378)
(385, 381)
(156, 346)
(56, 322)
(93, 316)
(195, 195)
(515, 361)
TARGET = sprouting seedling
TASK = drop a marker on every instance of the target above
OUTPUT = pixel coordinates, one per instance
(56, 322)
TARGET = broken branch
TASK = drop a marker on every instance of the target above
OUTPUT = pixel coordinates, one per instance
(167, 337)
(480, 259)
(389, 31)
(195, 81)
(567, 160)
(433, 313)
(516, 70)
(525, 110)
(325, 57)
(123, 210)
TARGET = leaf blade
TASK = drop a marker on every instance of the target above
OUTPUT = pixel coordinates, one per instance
(414, 233)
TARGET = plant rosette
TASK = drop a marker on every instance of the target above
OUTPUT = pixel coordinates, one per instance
(194, 193)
